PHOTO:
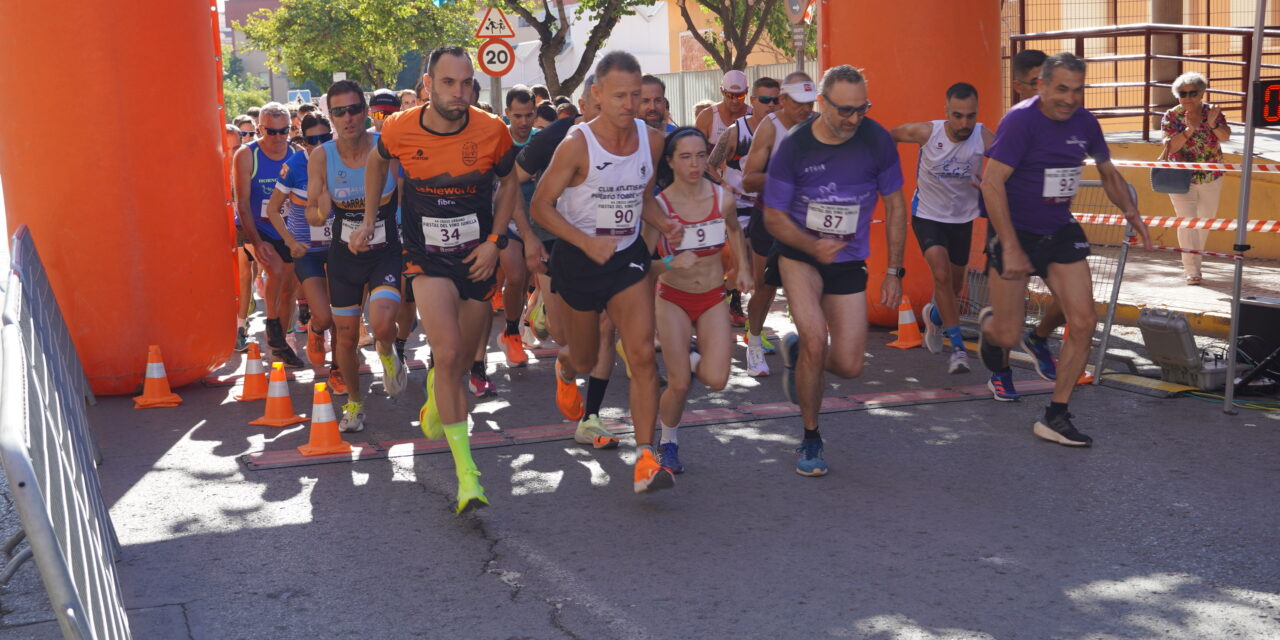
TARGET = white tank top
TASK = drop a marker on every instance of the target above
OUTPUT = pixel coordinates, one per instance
(947, 176)
(717, 124)
(733, 166)
(779, 132)
(609, 201)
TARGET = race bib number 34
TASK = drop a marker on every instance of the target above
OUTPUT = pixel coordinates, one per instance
(451, 235)
(1061, 183)
(709, 234)
(832, 220)
(618, 217)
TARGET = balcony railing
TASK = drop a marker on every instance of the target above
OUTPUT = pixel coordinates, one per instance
(1128, 46)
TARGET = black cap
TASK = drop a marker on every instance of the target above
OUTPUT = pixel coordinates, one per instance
(384, 98)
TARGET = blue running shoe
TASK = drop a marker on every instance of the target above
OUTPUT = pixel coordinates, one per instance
(669, 457)
(811, 463)
(790, 353)
(1001, 386)
(1041, 356)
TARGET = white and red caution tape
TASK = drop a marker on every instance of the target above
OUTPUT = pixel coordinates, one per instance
(1196, 166)
(1199, 252)
(1208, 224)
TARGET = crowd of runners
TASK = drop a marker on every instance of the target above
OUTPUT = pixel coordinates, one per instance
(608, 228)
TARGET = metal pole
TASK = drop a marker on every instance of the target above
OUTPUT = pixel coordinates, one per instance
(1242, 215)
(495, 94)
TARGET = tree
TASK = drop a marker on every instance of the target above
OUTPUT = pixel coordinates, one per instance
(239, 89)
(553, 33)
(367, 39)
(742, 22)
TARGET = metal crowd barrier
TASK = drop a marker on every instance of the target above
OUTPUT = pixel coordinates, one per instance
(1109, 252)
(49, 457)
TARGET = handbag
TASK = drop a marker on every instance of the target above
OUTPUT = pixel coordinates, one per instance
(1176, 181)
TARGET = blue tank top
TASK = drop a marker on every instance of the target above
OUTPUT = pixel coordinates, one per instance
(261, 182)
(293, 184)
(346, 189)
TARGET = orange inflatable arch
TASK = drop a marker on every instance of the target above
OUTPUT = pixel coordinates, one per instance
(910, 53)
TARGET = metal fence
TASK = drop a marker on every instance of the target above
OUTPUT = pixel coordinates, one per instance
(48, 457)
(1108, 256)
(687, 88)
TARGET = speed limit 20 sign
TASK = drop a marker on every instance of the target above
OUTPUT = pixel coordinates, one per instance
(496, 57)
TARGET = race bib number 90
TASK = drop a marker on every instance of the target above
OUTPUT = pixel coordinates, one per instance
(1061, 183)
(709, 234)
(379, 233)
(618, 217)
(830, 220)
(451, 235)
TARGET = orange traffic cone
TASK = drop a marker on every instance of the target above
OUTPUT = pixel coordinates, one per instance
(255, 379)
(155, 388)
(1086, 377)
(908, 330)
(324, 427)
(279, 405)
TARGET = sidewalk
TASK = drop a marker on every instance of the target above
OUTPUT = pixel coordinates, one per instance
(1154, 279)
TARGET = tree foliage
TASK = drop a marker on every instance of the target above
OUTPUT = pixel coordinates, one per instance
(553, 34)
(742, 24)
(366, 39)
(239, 89)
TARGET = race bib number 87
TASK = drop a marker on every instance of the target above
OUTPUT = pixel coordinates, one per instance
(829, 220)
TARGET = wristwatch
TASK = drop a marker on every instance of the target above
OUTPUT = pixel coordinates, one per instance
(499, 240)
(897, 272)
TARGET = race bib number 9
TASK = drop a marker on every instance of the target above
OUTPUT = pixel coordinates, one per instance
(1061, 183)
(451, 235)
(832, 220)
(379, 232)
(709, 234)
(618, 217)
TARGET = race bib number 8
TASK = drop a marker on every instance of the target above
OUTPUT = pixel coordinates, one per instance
(617, 218)
(832, 220)
(379, 232)
(709, 234)
(451, 235)
(1061, 183)
(321, 235)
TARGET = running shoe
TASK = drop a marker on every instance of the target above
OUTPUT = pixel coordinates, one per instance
(242, 339)
(470, 493)
(669, 457)
(737, 318)
(591, 431)
(958, 361)
(622, 355)
(529, 338)
(1001, 386)
(1041, 356)
(288, 357)
(337, 383)
(756, 365)
(568, 398)
(304, 313)
(395, 376)
(513, 347)
(932, 330)
(768, 346)
(352, 417)
(315, 348)
(790, 354)
(1060, 430)
(275, 334)
(811, 463)
(992, 356)
(694, 359)
(480, 384)
(650, 475)
(496, 301)
(429, 416)
(400, 346)
(538, 319)
(299, 326)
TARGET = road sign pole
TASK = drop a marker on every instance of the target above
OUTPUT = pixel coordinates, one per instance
(495, 94)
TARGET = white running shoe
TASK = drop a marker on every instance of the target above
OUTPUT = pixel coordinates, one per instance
(757, 366)
(932, 332)
(352, 417)
(959, 361)
(395, 376)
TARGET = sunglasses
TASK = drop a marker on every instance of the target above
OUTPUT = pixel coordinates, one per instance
(1188, 94)
(380, 115)
(352, 109)
(282, 131)
(846, 112)
(736, 97)
(767, 99)
(318, 140)
(245, 134)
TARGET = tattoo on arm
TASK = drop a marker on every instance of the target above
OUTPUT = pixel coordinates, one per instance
(721, 151)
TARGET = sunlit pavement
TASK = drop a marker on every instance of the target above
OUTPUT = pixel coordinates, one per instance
(941, 519)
